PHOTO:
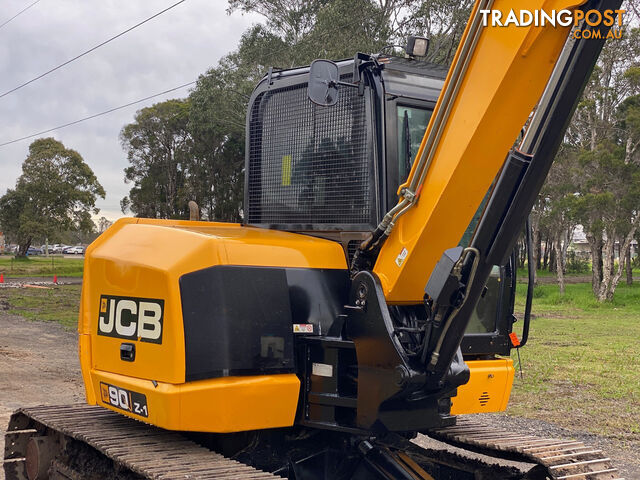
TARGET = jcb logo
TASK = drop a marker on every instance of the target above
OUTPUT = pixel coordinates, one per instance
(131, 318)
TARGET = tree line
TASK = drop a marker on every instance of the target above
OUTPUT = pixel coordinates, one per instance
(595, 179)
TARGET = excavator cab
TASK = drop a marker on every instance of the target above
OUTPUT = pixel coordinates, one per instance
(332, 169)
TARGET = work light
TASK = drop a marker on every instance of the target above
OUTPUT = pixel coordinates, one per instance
(417, 46)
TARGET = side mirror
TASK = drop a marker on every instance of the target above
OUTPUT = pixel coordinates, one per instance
(323, 83)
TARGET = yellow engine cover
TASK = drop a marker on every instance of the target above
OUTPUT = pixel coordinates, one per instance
(134, 269)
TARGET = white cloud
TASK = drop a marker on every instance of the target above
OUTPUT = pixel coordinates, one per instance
(170, 50)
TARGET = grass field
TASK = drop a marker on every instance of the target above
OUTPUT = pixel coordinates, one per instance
(582, 364)
(55, 304)
(581, 367)
(41, 266)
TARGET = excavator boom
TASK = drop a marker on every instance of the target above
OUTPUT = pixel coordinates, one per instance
(497, 78)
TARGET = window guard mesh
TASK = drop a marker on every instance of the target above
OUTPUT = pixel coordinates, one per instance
(309, 164)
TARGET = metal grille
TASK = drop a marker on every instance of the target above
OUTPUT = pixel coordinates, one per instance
(309, 165)
(352, 246)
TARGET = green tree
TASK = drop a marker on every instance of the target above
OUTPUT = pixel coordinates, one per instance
(103, 224)
(558, 215)
(216, 123)
(344, 27)
(603, 127)
(158, 147)
(628, 123)
(608, 205)
(443, 22)
(290, 19)
(299, 31)
(57, 191)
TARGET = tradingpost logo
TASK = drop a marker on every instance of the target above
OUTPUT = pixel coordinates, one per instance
(560, 18)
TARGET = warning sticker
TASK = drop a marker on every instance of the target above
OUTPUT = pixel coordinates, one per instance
(401, 256)
(303, 328)
(321, 370)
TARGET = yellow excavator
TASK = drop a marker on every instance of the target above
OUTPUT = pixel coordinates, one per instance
(367, 297)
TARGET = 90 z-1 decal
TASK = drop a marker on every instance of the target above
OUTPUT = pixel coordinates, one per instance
(131, 318)
(123, 399)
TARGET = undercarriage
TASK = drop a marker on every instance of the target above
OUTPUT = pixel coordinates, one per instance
(80, 442)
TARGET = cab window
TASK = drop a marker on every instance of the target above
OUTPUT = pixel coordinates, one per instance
(412, 123)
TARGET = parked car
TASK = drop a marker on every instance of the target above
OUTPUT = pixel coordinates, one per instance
(50, 248)
(57, 248)
(34, 251)
(77, 250)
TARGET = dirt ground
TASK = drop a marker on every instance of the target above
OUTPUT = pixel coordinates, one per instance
(39, 365)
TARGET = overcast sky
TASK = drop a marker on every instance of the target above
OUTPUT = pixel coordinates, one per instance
(168, 51)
